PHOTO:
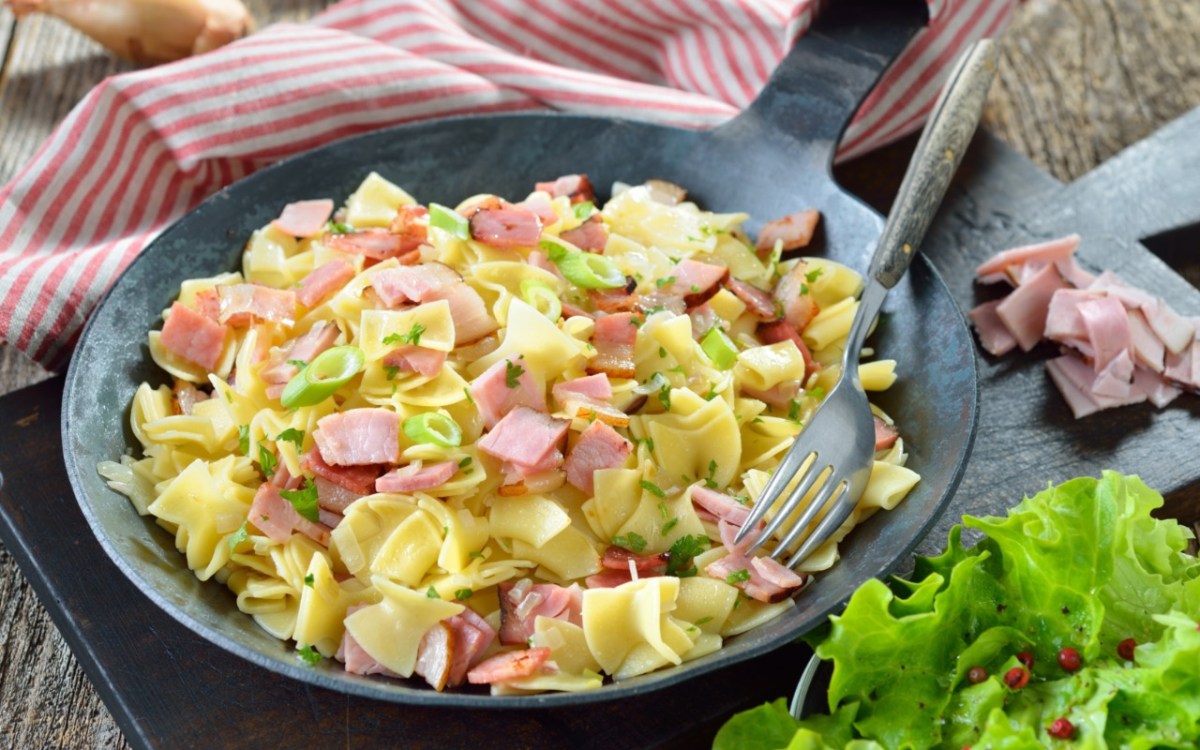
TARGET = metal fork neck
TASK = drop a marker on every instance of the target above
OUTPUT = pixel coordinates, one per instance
(869, 305)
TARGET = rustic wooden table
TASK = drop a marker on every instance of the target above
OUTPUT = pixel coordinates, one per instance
(1080, 80)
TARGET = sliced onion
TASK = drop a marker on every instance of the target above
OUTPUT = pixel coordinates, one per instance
(329, 371)
(433, 428)
(542, 297)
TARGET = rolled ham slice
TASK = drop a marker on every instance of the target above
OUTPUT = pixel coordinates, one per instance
(304, 218)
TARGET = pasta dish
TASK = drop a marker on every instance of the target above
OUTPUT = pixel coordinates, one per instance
(501, 444)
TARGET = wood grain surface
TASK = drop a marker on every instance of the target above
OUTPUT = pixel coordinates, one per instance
(1079, 81)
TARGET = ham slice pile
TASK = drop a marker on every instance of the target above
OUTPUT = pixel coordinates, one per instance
(1119, 344)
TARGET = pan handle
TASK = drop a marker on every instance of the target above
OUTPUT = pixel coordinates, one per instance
(819, 85)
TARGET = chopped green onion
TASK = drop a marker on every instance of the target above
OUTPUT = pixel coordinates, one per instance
(584, 210)
(432, 593)
(816, 392)
(467, 393)
(660, 283)
(719, 348)
(329, 371)
(463, 594)
(449, 220)
(238, 536)
(304, 501)
(244, 439)
(554, 250)
(309, 580)
(338, 227)
(632, 541)
(652, 488)
(738, 576)
(535, 292)
(434, 428)
(512, 374)
(590, 271)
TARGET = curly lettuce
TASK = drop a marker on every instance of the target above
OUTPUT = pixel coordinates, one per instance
(1084, 565)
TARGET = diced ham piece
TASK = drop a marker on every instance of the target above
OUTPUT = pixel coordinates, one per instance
(796, 230)
(781, 330)
(329, 517)
(779, 395)
(595, 387)
(418, 359)
(777, 574)
(885, 434)
(506, 227)
(1107, 327)
(729, 532)
(242, 303)
(791, 292)
(333, 497)
(376, 244)
(540, 205)
(193, 336)
(577, 187)
(473, 636)
(525, 438)
(621, 299)
(571, 311)
(208, 304)
(619, 558)
(304, 218)
(610, 579)
(520, 473)
(1024, 312)
(357, 479)
(435, 655)
(666, 193)
(186, 396)
(397, 286)
(719, 505)
(1184, 368)
(993, 334)
(272, 514)
(323, 281)
(358, 437)
(591, 235)
(523, 601)
(764, 582)
(495, 398)
(614, 337)
(470, 314)
(355, 657)
(414, 478)
(599, 447)
(696, 281)
(303, 348)
(510, 665)
(411, 225)
(758, 301)
(995, 267)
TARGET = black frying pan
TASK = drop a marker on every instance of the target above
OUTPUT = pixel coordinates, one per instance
(772, 160)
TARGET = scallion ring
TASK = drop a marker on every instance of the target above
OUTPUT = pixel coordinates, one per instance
(590, 271)
(449, 220)
(329, 371)
(542, 297)
(434, 428)
(719, 348)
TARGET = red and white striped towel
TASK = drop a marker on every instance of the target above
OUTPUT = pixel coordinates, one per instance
(144, 147)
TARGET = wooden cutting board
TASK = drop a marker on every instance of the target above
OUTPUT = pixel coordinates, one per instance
(168, 688)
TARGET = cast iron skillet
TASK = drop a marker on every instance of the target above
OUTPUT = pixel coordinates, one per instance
(772, 160)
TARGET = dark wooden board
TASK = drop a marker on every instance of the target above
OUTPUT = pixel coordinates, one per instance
(168, 688)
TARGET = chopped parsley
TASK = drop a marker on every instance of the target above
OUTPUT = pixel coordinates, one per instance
(664, 396)
(476, 554)
(813, 275)
(695, 289)
(712, 392)
(432, 593)
(267, 460)
(679, 369)
(304, 501)
(666, 529)
(238, 536)
(467, 393)
(309, 655)
(662, 352)
(794, 410)
(464, 463)
(338, 227)
(412, 337)
(742, 499)
(662, 508)
(710, 480)
(702, 620)
(816, 392)
(803, 289)
(391, 371)
(632, 541)
(511, 374)
(463, 594)
(635, 321)
(648, 442)
(291, 435)
(660, 283)
(244, 439)
(308, 580)
(297, 363)
(652, 488)
(679, 557)
(740, 575)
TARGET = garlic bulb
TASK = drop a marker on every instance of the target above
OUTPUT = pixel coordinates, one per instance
(149, 31)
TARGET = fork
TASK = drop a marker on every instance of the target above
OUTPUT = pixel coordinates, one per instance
(835, 450)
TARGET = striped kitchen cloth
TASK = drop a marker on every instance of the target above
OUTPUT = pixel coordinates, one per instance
(144, 147)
